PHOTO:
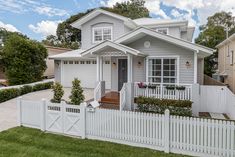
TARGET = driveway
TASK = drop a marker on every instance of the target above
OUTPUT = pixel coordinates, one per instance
(8, 109)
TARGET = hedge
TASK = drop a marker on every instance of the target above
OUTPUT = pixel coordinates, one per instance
(7, 94)
(154, 105)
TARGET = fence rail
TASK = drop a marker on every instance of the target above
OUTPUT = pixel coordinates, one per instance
(163, 92)
(176, 134)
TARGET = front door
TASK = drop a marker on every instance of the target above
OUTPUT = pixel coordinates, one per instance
(122, 72)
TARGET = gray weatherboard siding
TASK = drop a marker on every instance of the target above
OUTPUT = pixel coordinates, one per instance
(161, 48)
(101, 20)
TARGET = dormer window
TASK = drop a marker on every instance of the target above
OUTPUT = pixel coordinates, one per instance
(162, 30)
(102, 33)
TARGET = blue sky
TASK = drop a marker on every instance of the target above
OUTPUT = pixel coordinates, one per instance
(39, 18)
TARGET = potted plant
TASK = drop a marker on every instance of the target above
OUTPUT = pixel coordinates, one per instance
(152, 86)
(180, 88)
(170, 87)
(142, 85)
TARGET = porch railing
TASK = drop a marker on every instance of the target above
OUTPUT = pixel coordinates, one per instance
(163, 91)
(97, 92)
(123, 97)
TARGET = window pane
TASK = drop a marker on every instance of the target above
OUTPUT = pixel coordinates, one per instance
(98, 32)
(166, 80)
(107, 31)
(172, 67)
(107, 37)
(166, 73)
(172, 73)
(172, 80)
(166, 61)
(166, 67)
(172, 61)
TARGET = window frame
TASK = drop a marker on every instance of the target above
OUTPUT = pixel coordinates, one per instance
(231, 57)
(177, 70)
(102, 33)
(167, 30)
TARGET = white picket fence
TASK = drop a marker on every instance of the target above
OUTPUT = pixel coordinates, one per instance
(176, 134)
(161, 92)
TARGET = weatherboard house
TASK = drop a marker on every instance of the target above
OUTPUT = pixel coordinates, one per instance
(118, 53)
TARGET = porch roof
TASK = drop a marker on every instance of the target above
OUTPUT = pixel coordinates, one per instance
(109, 48)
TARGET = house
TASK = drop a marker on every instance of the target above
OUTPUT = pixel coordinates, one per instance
(116, 50)
(51, 50)
(226, 58)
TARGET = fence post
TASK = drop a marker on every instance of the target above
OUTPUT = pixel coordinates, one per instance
(63, 110)
(43, 115)
(161, 90)
(83, 119)
(19, 111)
(167, 131)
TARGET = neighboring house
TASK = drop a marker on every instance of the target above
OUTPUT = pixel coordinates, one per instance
(49, 73)
(117, 49)
(226, 58)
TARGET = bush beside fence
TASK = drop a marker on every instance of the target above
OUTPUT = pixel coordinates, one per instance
(154, 105)
(7, 94)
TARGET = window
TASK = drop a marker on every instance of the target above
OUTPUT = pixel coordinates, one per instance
(93, 62)
(107, 62)
(76, 62)
(162, 70)
(102, 33)
(162, 30)
(70, 62)
(65, 62)
(88, 62)
(82, 62)
(231, 58)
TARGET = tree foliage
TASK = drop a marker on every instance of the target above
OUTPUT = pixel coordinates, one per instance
(76, 96)
(69, 37)
(58, 92)
(24, 60)
(212, 33)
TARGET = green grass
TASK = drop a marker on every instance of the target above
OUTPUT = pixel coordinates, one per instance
(26, 142)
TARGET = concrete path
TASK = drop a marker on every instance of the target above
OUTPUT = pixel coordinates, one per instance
(8, 109)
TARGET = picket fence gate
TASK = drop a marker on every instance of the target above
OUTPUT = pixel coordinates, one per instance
(164, 132)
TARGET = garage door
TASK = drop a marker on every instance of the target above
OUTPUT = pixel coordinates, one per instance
(85, 71)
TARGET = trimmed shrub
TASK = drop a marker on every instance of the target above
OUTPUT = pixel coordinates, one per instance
(42, 86)
(8, 94)
(58, 92)
(76, 96)
(154, 105)
(26, 89)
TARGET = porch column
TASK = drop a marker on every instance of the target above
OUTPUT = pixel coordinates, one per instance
(98, 68)
(129, 67)
(195, 67)
(101, 68)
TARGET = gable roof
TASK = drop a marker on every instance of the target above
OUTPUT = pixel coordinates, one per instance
(68, 55)
(142, 31)
(226, 41)
(107, 43)
(127, 21)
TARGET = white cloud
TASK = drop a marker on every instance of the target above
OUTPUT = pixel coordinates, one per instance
(49, 11)
(204, 8)
(39, 6)
(45, 27)
(8, 27)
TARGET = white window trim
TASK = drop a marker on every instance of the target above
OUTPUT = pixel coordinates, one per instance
(102, 28)
(167, 30)
(164, 57)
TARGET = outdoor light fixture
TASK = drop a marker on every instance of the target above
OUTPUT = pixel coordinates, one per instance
(187, 64)
(139, 63)
(114, 64)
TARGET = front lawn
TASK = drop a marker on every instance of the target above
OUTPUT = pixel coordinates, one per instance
(26, 142)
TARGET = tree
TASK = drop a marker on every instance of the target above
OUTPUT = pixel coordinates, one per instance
(58, 92)
(76, 96)
(212, 34)
(24, 60)
(70, 37)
